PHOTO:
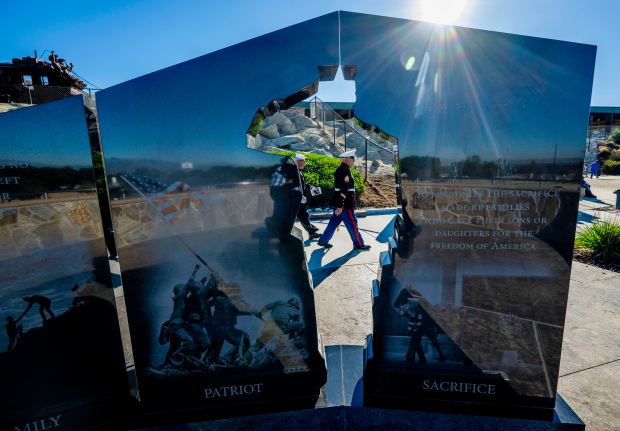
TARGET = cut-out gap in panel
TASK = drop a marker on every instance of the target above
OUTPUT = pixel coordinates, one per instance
(303, 123)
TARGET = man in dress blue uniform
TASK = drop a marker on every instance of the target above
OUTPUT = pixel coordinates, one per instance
(343, 202)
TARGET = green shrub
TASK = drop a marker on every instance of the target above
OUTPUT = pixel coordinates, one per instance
(611, 167)
(256, 124)
(615, 136)
(615, 155)
(602, 239)
(319, 172)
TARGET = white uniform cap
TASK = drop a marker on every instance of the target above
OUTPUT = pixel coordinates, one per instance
(347, 154)
(300, 156)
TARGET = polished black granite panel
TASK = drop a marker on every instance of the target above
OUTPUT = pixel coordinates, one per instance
(219, 302)
(61, 358)
(490, 145)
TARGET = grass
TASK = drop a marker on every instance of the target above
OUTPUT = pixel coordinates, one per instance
(601, 239)
(611, 167)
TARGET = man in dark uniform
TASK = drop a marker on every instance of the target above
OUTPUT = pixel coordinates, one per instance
(343, 202)
(45, 304)
(302, 212)
(285, 191)
(419, 324)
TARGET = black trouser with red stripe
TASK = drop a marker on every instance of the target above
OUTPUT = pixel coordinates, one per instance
(350, 221)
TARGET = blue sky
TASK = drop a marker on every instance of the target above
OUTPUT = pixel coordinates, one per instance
(113, 41)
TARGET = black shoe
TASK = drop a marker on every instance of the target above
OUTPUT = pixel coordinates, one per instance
(361, 247)
(326, 245)
(314, 236)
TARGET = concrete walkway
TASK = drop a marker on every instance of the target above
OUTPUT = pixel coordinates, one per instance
(590, 367)
(603, 206)
(343, 280)
(604, 187)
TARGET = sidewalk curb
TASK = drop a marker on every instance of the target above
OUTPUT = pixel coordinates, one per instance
(319, 215)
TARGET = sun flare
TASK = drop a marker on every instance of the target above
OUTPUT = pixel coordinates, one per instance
(442, 11)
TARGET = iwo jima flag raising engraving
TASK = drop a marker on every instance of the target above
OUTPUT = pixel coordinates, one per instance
(173, 201)
(246, 315)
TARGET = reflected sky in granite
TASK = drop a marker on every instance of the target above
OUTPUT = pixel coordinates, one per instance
(452, 92)
(198, 111)
(52, 134)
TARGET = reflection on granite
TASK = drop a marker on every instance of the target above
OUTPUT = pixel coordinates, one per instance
(484, 199)
(34, 227)
(137, 221)
(485, 265)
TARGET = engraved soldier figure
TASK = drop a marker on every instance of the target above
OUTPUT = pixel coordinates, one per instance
(194, 315)
(13, 330)
(44, 303)
(223, 328)
(183, 346)
(281, 339)
(286, 315)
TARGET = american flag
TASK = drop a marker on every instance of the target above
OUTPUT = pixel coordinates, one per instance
(171, 199)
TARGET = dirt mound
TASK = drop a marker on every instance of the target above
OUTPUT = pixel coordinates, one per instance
(380, 190)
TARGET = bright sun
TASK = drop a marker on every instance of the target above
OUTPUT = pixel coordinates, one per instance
(442, 11)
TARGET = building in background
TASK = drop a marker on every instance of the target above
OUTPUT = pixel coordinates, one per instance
(31, 81)
(603, 120)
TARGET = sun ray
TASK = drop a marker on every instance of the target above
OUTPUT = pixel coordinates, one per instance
(442, 11)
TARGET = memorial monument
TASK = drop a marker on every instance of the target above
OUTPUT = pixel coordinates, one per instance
(471, 299)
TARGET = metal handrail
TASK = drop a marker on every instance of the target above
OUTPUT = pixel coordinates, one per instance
(353, 128)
